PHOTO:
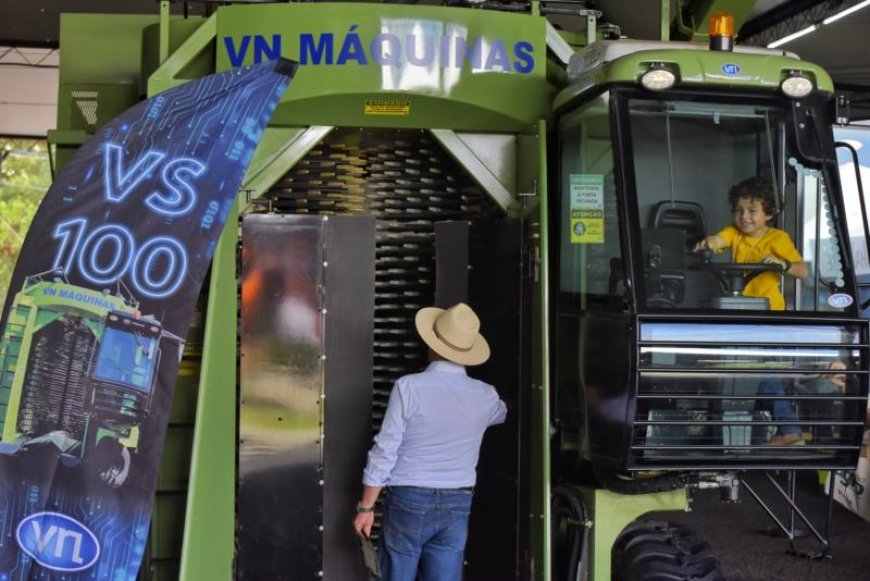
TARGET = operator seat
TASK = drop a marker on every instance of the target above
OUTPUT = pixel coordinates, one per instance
(689, 219)
(680, 215)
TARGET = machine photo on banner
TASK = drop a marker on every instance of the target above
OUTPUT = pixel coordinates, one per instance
(92, 331)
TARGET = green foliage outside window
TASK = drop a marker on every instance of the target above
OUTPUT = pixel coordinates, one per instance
(24, 178)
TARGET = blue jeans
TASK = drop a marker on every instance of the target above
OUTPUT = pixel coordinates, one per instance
(424, 529)
(780, 409)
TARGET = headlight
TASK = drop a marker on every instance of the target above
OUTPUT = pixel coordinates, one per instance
(658, 78)
(797, 86)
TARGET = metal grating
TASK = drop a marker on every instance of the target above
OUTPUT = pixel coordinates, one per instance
(718, 401)
(408, 182)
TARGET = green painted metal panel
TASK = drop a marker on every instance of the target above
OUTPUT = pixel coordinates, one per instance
(196, 63)
(99, 74)
(665, 24)
(192, 54)
(163, 49)
(209, 525)
(612, 512)
(400, 61)
(278, 151)
(699, 68)
(84, 106)
(102, 48)
(539, 488)
(527, 174)
(477, 167)
(704, 67)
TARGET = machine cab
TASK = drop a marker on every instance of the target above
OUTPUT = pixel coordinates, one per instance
(669, 357)
(124, 368)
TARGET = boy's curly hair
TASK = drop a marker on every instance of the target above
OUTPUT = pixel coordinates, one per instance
(754, 188)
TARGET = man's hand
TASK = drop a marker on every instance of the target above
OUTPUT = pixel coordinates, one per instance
(362, 524)
(365, 518)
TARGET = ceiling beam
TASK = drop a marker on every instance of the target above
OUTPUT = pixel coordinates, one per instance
(788, 18)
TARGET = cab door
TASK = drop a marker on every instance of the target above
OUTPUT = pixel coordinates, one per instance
(593, 293)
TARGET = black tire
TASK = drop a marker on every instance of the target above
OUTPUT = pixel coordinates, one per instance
(569, 533)
(655, 550)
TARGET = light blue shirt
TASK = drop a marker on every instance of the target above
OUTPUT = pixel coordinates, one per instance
(432, 430)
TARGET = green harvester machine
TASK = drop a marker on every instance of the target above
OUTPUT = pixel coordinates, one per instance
(527, 159)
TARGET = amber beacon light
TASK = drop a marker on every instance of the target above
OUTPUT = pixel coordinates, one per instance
(721, 31)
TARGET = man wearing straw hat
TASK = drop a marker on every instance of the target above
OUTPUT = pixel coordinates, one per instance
(427, 451)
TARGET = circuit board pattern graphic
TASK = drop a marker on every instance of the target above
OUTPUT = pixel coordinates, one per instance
(121, 525)
(140, 206)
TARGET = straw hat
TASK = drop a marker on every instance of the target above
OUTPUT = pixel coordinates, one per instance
(453, 333)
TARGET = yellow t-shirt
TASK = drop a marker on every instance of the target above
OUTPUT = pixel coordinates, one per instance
(745, 249)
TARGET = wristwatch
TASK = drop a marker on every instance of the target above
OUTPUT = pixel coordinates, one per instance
(360, 508)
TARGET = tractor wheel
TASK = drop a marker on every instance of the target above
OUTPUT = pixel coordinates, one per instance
(569, 533)
(653, 550)
(110, 462)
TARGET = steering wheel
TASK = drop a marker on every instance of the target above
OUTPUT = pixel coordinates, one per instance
(661, 302)
(731, 273)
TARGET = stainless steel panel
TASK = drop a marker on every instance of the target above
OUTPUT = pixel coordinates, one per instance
(279, 500)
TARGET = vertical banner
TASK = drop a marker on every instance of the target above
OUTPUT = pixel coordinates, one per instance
(91, 333)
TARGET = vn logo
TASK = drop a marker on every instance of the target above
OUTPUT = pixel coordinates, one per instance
(57, 541)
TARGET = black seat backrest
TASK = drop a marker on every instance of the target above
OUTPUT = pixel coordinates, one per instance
(680, 215)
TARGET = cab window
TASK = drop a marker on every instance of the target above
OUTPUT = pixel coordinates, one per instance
(687, 156)
(591, 266)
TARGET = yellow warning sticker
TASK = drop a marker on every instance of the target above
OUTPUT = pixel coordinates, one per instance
(587, 208)
(388, 108)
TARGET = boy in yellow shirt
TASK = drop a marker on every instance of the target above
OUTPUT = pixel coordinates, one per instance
(752, 240)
